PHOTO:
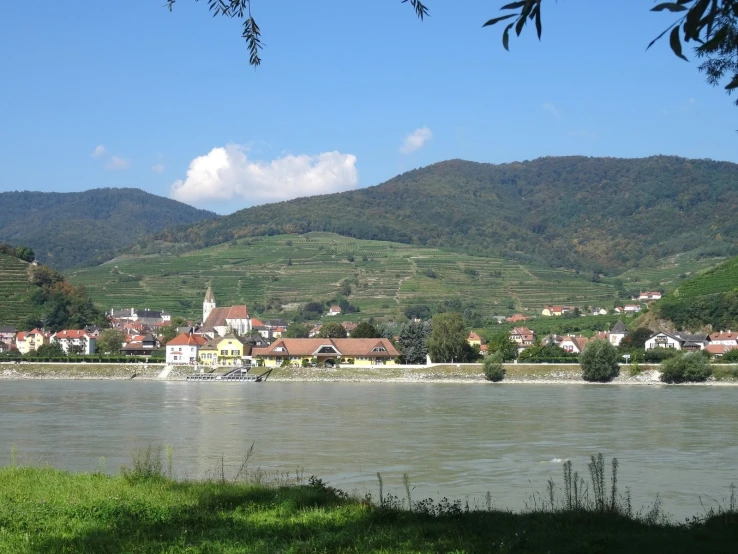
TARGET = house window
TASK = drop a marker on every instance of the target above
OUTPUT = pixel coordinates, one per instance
(224, 352)
(327, 350)
(235, 352)
(279, 359)
(379, 349)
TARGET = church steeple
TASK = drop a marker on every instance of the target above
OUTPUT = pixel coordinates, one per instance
(208, 304)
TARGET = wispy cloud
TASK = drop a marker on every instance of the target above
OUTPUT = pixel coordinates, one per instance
(157, 168)
(549, 108)
(99, 151)
(584, 133)
(416, 140)
(226, 173)
(116, 163)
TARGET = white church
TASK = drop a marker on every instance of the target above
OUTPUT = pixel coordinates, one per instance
(221, 321)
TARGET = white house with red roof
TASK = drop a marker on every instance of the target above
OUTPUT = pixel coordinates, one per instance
(523, 336)
(221, 321)
(335, 310)
(727, 338)
(574, 344)
(75, 341)
(184, 348)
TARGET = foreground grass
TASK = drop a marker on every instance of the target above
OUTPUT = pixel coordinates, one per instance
(46, 510)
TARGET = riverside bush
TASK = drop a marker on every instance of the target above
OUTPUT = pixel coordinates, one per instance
(692, 367)
(599, 362)
(493, 369)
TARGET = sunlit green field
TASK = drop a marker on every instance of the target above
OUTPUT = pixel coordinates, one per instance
(144, 510)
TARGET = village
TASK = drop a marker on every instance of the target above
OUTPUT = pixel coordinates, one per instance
(230, 337)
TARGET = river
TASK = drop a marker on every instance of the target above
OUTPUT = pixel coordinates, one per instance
(454, 440)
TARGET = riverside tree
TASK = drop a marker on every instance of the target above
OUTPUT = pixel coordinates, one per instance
(297, 331)
(332, 331)
(493, 369)
(692, 367)
(110, 341)
(503, 344)
(413, 341)
(599, 362)
(365, 330)
(447, 341)
(710, 24)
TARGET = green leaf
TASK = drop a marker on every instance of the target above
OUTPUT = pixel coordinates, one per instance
(498, 19)
(514, 5)
(676, 43)
(519, 25)
(506, 37)
(671, 6)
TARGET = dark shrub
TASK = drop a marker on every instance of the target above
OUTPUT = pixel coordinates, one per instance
(599, 362)
(493, 369)
(692, 367)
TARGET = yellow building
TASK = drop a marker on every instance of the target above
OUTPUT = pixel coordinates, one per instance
(222, 351)
(360, 352)
(30, 341)
(474, 340)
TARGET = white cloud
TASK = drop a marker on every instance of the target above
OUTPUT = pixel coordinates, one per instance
(117, 164)
(158, 168)
(416, 140)
(99, 151)
(226, 172)
(553, 110)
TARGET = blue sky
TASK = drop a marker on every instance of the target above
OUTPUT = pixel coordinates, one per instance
(126, 94)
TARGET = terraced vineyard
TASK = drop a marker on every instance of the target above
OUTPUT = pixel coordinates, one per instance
(14, 284)
(385, 277)
(723, 278)
(670, 272)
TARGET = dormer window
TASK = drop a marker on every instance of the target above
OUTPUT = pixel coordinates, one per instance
(379, 349)
(327, 350)
(279, 349)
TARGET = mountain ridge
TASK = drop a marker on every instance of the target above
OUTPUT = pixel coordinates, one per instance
(69, 229)
(603, 215)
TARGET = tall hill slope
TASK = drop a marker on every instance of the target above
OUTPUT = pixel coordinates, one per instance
(15, 305)
(709, 298)
(381, 278)
(598, 214)
(84, 228)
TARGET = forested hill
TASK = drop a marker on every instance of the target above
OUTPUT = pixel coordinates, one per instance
(598, 214)
(84, 228)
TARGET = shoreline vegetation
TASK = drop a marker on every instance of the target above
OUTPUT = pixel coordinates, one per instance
(723, 374)
(146, 508)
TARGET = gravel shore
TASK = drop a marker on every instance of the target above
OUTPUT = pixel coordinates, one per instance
(462, 374)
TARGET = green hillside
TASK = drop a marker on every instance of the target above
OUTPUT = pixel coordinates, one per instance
(15, 306)
(385, 278)
(84, 228)
(709, 298)
(596, 214)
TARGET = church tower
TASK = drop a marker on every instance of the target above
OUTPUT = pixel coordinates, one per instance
(208, 304)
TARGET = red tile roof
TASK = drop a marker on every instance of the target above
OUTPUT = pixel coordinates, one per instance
(71, 334)
(347, 347)
(219, 316)
(724, 335)
(185, 339)
(719, 348)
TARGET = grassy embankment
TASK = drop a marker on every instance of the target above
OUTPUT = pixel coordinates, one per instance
(142, 510)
